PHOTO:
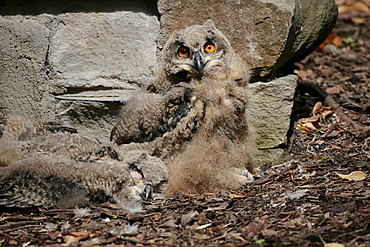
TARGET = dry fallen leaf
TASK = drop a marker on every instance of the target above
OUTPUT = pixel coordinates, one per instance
(310, 126)
(326, 112)
(358, 20)
(210, 194)
(304, 130)
(331, 39)
(357, 6)
(334, 133)
(238, 237)
(269, 233)
(355, 176)
(75, 236)
(334, 90)
(236, 196)
(318, 111)
(305, 74)
(316, 108)
(336, 147)
(319, 142)
(334, 245)
(309, 119)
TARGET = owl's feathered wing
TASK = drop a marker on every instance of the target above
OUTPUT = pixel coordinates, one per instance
(47, 181)
(21, 187)
(159, 122)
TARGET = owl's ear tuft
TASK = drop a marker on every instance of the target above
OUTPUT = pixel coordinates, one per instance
(175, 33)
(209, 23)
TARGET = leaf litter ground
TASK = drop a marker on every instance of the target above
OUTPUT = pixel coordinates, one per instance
(306, 201)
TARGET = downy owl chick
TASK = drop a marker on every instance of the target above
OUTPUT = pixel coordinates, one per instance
(56, 181)
(47, 169)
(193, 116)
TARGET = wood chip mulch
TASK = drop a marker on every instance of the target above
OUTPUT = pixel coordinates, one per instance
(300, 202)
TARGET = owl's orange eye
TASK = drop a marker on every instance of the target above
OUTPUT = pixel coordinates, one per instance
(209, 47)
(183, 52)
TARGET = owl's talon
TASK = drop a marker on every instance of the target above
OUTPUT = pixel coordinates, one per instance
(148, 192)
(248, 175)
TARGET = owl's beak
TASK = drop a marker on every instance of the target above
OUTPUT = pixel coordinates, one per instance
(198, 63)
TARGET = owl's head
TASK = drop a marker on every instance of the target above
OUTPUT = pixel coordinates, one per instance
(196, 52)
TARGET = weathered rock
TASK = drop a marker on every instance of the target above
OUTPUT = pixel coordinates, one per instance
(59, 58)
(94, 119)
(23, 51)
(112, 50)
(273, 155)
(267, 34)
(312, 22)
(270, 107)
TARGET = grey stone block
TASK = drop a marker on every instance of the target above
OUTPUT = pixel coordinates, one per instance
(65, 49)
(23, 51)
(93, 119)
(269, 110)
(112, 50)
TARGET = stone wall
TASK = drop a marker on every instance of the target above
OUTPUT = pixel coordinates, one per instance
(78, 63)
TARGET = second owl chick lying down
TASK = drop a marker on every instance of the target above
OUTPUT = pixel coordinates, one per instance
(189, 128)
(64, 170)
